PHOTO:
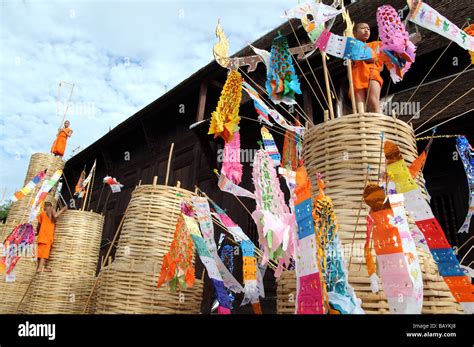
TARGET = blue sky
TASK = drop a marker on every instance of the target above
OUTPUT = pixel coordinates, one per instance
(121, 55)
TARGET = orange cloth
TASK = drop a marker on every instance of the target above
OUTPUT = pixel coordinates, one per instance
(363, 71)
(45, 235)
(59, 145)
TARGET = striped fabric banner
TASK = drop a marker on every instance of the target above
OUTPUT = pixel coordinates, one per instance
(29, 186)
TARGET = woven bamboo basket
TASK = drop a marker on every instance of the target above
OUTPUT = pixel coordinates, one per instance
(128, 285)
(341, 150)
(73, 263)
(41, 161)
(11, 293)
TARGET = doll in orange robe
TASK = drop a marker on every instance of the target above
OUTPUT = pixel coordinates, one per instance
(59, 145)
(366, 73)
(45, 231)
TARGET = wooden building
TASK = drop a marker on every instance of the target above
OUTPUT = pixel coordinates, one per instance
(137, 149)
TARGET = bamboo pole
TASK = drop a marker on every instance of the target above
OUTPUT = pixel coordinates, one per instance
(87, 189)
(326, 82)
(169, 164)
(351, 85)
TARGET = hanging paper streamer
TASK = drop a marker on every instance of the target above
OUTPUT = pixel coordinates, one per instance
(225, 119)
(79, 188)
(177, 268)
(420, 211)
(319, 12)
(89, 176)
(427, 17)
(42, 193)
(203, 215)
(228, 186)
(290, 160)
(260, 107)
(466, 153)
(414, 303)
(270, 146)
(309, 290)
(208, 262)
(282, 83)
(253, 279)
(275, 223)
(29, 186)
(340, 294)
(19, 243)
(393, 266)
(470, 31)
(231, 166)
(227, 257)
(395, 42)
(115, 185)
(266, 112)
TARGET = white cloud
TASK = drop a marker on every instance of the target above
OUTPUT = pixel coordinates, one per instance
(119, 54)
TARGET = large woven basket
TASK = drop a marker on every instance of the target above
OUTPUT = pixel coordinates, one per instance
(341, 150)
(73, 261)
(12, 293)
(128, 285)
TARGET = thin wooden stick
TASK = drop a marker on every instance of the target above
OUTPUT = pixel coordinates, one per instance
(91, 186)
(100, 196)
(87, 189)
(67, 185)
(442, 90)
(311, 69)
(452, 103)
(351, 86)
(446, 121)
(67, 106)
(305, 117)
(357, 220)
(24, 295)
(326, 81)
(436, 62)
(169, 164)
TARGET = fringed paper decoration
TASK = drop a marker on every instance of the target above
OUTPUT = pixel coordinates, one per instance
(260, 107)
(231, 166)
(42, 193)
(309, 289)
(203, 214)
(19, 243)
(177, 268)
(289, 160)
(398, 284)
(29, 186)
(253, 281)
(266, 112)
(79, 189)
(466, 153)
(114, 185)
(470, 31)
(427, 17)
(340, 294)
(225, 119)
(270, 146)
(228, 186)
(282, 83)
(395, 42)
(227, 257)
(420, 211)
(208, 262)
(275, 223)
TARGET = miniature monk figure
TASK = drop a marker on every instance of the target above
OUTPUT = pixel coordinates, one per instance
(59, 145)
(45, 231)
(366, 73)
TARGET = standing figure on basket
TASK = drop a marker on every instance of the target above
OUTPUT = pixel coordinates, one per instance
(366, 73)
(45, 231)
(59, 145)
